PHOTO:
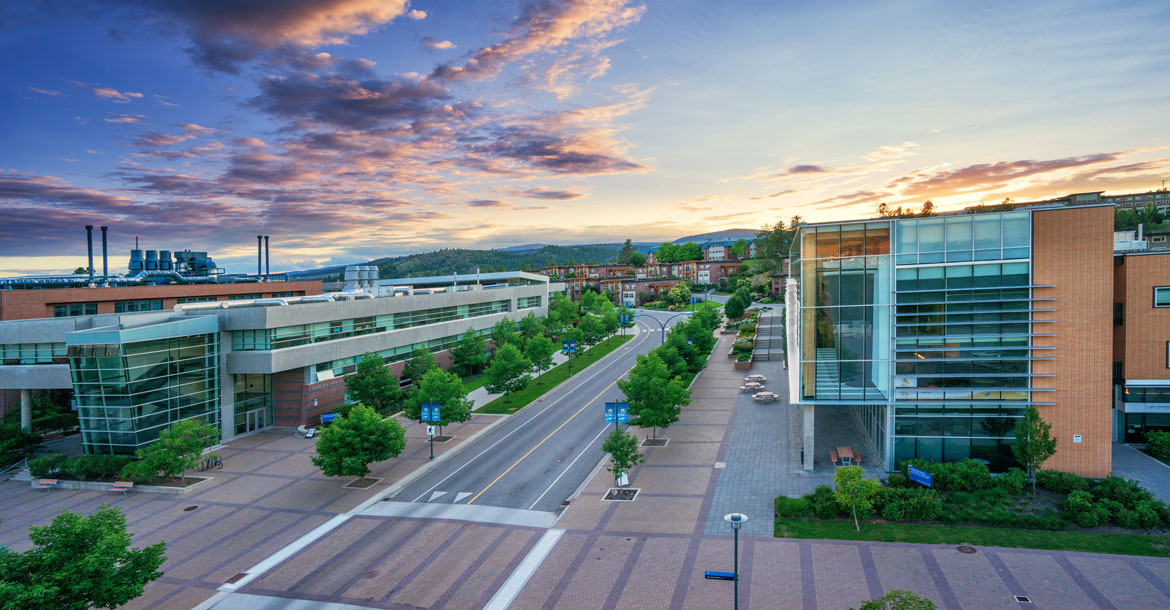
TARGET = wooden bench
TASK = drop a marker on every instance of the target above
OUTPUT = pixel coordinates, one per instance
(833, 456)
(122, 486)
(44, 483)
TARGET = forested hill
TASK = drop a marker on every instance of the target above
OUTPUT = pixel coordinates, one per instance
(442, 262)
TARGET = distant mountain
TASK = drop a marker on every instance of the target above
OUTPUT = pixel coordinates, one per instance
(523, 248)
(443, 262)
(747, 234)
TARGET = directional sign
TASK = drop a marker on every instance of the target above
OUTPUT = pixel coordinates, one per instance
(610, 412)
(328, 417)
(430, 430)
(920, 476)
(623, 412)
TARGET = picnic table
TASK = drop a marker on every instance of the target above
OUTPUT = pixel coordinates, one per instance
(751, 386)
(848, 458)
(766, 397)
(756, 378)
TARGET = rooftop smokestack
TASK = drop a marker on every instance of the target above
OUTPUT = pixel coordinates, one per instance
(105, 256)
(267, 261)
(89, 242)
(259, 255)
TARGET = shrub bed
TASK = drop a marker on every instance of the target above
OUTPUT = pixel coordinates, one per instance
(84, 468)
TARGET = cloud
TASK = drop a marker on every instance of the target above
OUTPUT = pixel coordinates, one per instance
(416, 14)
(892, 153)
(125, 118)
(227, 34)
(437, 45)
(807, 169)
(773, 195)
(344, 102)
(486, 203)
(44, 91)
(118, 97)
(542, 26)
(928, 182)
(543, 193)
(20, 190)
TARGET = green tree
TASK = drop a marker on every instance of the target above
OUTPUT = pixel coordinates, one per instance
(592, 329)
(421, 362)
(508, 372)
(689, 251)
(81, 271)
(470, 354)
(610, 321)
(666, 252)
(898, 599)
(655, 396)
(622, 448)
(637, 258)
(350, 444)
(530, 326)
(1034, 443)
(562, 314)
(1125, 220)
(77, 563)
(928, 209)
(590, 301)
(16, 443)
(740, 248)
(539, 350)
(734, 307)
(853, 491)
(680, 294)
(1151, 216)
(773, 243)
(374, 385)
(177, 450)
(505, 332)
(446, 389)
(627, 251)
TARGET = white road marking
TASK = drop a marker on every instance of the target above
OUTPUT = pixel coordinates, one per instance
(511, 588)
(459, 496)
(530, 420)
(437, 494)
(587, 446)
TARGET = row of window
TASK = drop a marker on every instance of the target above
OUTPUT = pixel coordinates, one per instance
(136, 306)
(74, 309)
(860, 239)
(962, 367)
(345, 366)
(528, 302)
(195, 299)
(32, 353)
(304, 334)
(1154, 394)
(963, 238)
(994, 275)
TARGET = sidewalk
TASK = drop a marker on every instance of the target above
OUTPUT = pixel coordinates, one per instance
(651, 553)
(1151, 473)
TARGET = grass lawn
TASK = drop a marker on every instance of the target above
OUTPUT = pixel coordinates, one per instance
(539, 386)
(474, 382)
(1117, 544)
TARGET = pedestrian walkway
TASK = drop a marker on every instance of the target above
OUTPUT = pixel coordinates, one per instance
(651, 553)
(1154, 475)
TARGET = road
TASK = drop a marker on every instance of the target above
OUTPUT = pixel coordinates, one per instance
(540, 455)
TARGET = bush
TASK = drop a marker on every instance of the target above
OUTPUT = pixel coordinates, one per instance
(908, 504)
(1078, 501)
(824, 505)
(897, 480)
(1108, 510)
(793, 507)
(47, 466)
(1013, 481)
(963, 475)
(1158, 444)
(1061, 482)
(1120, 489)
(1088, 518)
(93, 467)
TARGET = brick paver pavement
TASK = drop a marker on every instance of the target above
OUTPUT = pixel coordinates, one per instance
(267, 495)
(1133, 464)
(652, 553)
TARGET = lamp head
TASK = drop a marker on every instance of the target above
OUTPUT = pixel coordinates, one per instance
(735, 519)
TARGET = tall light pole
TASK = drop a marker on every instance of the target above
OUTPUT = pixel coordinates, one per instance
(736, 520)
(660, 322)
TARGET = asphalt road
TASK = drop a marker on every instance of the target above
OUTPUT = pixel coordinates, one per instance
(542, 454)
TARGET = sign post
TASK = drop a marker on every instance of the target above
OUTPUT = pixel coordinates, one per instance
(429, 412)
(920, 476)
(568, 347)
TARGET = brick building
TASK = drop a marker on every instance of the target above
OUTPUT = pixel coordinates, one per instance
(1141, 344)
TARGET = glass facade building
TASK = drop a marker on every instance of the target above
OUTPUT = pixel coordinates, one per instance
(130, 384)
(930, 344)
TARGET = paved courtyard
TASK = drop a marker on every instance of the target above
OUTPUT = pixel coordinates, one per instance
(267, 495)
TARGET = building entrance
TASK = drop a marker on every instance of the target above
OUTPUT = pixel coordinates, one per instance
(252, 421)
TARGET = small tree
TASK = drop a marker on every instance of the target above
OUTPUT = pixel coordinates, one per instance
(539, 351)
(592, 329)
(350, 444)
(508, 371)
(505, 332)
(470, 354)
(853, 491)
(654, 395)
(374, 385)
(740, 248)
(680, 294)
(446, 389)
(1034, 443)
(420, 363)
(898, 599)
(622, 448)
(176, 451)
(530, 326)
(734, 308)
(77, 563)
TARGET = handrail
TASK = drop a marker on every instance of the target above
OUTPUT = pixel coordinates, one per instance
(6, 473)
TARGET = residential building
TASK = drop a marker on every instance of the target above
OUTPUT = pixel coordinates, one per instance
(938, 333)
(243, 365)
(1141, 344)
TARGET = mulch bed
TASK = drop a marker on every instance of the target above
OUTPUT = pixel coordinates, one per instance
(621, 494)
(655, 442)
(362, 483)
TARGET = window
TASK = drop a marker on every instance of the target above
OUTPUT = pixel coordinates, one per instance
(194, 299)
(1119, 314)
(243, 297)
(1162, 296)
(134, 306)
(75, 309)
(282, 295)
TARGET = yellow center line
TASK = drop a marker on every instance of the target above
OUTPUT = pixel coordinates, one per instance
(544, 439)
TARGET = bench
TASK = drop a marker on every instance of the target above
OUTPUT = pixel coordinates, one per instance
(310, 432)
(44, 483)
(833, 456)
(122, 486)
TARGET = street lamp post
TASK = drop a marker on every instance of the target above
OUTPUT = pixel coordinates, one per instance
(736, 520)
(660, 322)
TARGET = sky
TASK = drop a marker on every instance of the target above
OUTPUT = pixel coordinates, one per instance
(356, 129)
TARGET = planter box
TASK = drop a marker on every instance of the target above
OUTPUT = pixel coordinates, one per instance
(150, 489)
(743, 366)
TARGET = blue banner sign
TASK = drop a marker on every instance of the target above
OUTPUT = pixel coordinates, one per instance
(715, 575)
(610, 412)
(425, 414)
(328, 417)
(920, 476)
(623, 412)
(624, 318)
